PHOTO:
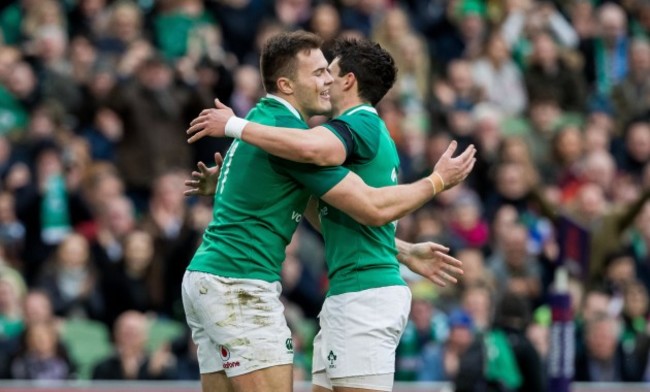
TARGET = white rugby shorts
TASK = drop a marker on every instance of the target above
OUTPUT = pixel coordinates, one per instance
(359, 334)
(237, 324)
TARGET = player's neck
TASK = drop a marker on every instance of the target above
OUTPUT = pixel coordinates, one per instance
(346, 103)
(291, 100)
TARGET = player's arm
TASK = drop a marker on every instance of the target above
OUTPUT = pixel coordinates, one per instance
(379, 206)
(318, 145)
(430, 260)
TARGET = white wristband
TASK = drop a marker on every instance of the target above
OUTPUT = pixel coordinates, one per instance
(235, 127)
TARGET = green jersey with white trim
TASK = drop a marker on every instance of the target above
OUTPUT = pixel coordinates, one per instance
(362, 257)
(259, 201)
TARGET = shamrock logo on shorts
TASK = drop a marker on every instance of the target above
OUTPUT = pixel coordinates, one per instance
(289, 344)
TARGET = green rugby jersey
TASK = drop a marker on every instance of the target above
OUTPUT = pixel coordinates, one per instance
(361, 257)
(259, 202)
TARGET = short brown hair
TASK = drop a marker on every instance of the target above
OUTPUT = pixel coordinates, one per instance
(279, 55)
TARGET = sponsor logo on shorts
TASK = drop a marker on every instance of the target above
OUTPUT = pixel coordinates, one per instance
(225, 356)
(332, 358)
(289, 344)
(230, 365)
(225, 353)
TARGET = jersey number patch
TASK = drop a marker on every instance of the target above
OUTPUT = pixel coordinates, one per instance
(226, 166)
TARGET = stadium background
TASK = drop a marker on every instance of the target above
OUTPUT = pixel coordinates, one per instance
(95, 96)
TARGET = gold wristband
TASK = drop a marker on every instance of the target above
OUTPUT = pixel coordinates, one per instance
(433, 185)
(435, 173)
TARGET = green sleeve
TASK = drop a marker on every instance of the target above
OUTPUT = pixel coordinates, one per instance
(342, 139)
(289, 121)
(365, 132)
(317, 179)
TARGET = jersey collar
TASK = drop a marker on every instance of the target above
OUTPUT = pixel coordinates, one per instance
(363, 106)
(286, 104)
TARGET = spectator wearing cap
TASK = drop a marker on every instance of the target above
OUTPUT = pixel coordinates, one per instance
(441, 361)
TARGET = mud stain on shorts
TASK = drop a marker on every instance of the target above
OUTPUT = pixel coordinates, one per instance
(262, 321)
(247, 299)
(230, 320)
(239, 342)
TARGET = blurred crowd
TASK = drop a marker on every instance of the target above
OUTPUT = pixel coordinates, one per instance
(95, 96)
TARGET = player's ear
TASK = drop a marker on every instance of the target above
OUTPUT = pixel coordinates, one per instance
(349, 81)
(285, 86)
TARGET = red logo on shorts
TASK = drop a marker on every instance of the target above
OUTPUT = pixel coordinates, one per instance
(225, 353)
(225, 356)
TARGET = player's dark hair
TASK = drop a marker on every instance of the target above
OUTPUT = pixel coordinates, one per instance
(279, 56)
(373, 67)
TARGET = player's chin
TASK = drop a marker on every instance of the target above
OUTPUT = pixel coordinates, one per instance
(324, 105)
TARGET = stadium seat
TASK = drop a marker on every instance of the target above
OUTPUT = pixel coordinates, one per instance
(87, 342)
(163, 331)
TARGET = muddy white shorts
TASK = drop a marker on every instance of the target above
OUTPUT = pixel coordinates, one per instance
(358, 337)
(237, 324)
